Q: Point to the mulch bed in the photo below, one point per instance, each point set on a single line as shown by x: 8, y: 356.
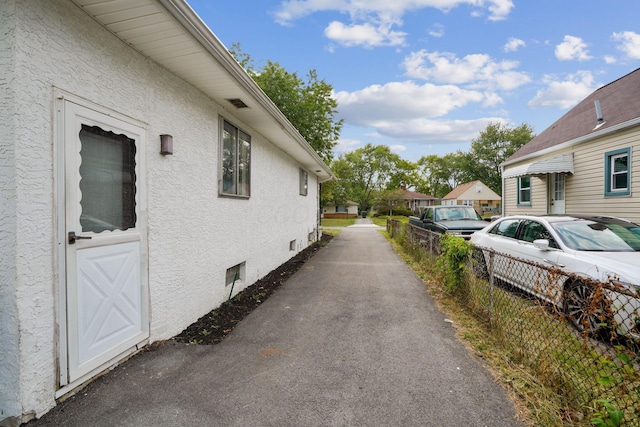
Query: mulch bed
x: 214, y: 326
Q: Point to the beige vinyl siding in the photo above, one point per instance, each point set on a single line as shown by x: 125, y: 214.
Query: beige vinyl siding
x: 584, y: 189
x: 538, y: 197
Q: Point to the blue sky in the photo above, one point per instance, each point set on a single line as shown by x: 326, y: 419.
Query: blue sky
x: 426, y: 76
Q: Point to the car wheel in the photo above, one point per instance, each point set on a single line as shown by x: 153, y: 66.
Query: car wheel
x: 586, y: 313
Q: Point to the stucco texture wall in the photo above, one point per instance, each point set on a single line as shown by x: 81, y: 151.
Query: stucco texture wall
x: 194, y: 235
x: 9, y: 325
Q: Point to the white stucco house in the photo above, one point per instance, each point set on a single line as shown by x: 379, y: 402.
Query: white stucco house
x: 140, y: 169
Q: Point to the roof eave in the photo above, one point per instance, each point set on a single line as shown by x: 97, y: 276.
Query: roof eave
x: 192, y: 22
x: 264, y: 116
x: 575, y: 141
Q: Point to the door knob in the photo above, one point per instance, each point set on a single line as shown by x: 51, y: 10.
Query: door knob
x: 73, y: 237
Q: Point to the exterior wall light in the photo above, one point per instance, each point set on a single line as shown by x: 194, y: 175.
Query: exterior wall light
x: 166, y: 144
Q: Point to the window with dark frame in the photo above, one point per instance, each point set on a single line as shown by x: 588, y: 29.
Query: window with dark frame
x: 618, y: 172
x: 304, y: 182
x: 236, y: 161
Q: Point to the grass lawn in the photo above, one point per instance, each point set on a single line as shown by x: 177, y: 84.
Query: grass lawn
x: 337, y: 222
x: 342, y: 222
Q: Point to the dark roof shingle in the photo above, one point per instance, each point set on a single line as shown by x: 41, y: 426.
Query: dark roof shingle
x: 619, y: 103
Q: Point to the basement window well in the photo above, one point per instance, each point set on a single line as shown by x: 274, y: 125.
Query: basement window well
x: 235, y: 275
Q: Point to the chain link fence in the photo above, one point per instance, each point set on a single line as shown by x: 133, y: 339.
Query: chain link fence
x: 577, y: 336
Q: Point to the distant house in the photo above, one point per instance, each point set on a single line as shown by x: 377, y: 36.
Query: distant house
x: 586, y: 162
x: 475, y: 194
x: 347, y: 210
x: 144, y: 173
x: 417, y: 201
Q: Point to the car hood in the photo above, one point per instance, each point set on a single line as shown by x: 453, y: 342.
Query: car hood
x: 463, y: 224
x: 624, y: 266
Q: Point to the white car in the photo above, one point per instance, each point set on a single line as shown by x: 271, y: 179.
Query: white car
x: 603, y: 249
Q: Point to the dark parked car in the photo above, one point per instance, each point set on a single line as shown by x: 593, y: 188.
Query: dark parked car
x: 461, y: 221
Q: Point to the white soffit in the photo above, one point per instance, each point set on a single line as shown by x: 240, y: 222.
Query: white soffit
x: 171, y: 34
x: 558, y: 164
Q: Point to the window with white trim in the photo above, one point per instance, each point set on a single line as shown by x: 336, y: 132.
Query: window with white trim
x: 236, y: 161
x: 524, y: 191
x: 617, y: 172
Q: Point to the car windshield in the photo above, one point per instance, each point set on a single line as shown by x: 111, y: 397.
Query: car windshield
x: 456, y: 213
x: 599, y: 236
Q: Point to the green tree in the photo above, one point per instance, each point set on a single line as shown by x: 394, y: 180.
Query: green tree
x: 309, y: 105
x: 442, y: 174
x: 388, y: 200
x: 405, y: 174
x: 495, y: 144
x: 364, y: 171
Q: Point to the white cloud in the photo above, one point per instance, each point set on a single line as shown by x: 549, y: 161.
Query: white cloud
x: 436, y: 30
x: 366, y: 35
x: 629, y: 43
x: 406, y: 111
x: 402, y: 100
x: 500, y: 9
x: 566, y: 93
x: 372, y: 22
x: 572, y: 48
x: 290, y: 10
x: 397, y: 148
x: 610, y: 59
x: 346, y: 145
x: 434, y: 131
x: 514, y: 44
x: 476, y: 70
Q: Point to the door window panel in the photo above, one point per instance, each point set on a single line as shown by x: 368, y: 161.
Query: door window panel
x: 107, y: 180
x: 532, y: 230
x: 506, y: 228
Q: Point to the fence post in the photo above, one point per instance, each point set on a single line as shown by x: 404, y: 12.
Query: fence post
x: 491, y: 284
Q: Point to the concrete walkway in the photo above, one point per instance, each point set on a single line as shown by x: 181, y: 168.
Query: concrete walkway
x: 352, y: 339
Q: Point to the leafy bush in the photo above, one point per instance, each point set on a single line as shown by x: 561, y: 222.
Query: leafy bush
x: 452, y: 261
x: 402, y: 212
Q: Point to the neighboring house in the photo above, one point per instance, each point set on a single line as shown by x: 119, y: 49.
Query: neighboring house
x: 475, y: 194
x: 141, y: 168
x: 348, y: 210
x: 417, y: 201
x: 584, y: 163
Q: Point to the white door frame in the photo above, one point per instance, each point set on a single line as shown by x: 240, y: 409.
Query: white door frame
x: 556, y: 206
x: 61, y: 104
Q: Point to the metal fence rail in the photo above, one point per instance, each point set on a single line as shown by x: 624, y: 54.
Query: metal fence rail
x: 579, y: 337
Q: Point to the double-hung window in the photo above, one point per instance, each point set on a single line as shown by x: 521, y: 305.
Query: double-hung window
x: 236, y: 161
x: 617, y: 172
x: 524, y: 190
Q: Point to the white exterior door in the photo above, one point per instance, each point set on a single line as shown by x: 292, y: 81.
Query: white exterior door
x: 556, y: 193
x: 105, y: 240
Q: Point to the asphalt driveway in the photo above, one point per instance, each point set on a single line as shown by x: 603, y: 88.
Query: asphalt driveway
x: 352, y: 339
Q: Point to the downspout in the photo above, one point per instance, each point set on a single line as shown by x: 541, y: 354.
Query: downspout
x: 318, y: 212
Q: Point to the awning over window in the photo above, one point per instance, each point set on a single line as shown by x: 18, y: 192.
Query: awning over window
x: 559, y: 164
